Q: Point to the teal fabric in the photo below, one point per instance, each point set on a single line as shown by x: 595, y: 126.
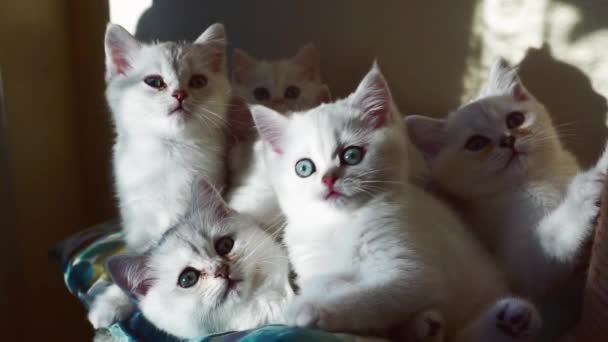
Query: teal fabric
x: 81, y: 258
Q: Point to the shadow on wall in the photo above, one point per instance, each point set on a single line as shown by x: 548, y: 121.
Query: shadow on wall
x: 578, y: 111
x: 409, y: 44
x: 422, y: 48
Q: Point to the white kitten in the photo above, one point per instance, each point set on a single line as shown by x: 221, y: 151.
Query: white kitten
x: 284, y: 85
x: 168, y: 102
x: 215, y: 271
x: 499, y: 159
x: 370, y: 250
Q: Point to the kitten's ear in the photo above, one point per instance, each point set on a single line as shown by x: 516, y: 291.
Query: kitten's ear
x: 271, y: 126
x: 241, y: 64
x: 373, y: 97
x: 130, y: 273
x: 240, y: 122
x: 308, y: 57
x: 214, y: 40
x: 426, y: 134
x: 208, y: 199
x: 503, y: 79
x: 324, y: 95
x: 120, y: 46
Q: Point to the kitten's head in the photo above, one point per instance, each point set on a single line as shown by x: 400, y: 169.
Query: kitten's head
x: 203, y: 271
x: 336, y: 155
x: 490, y: 144
x: 284, y: 85
x: 166, y: 88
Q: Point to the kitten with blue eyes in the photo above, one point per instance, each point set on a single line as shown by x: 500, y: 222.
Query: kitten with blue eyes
x: 370, y: 250
x: 500, y: 161
x: 284, y: 85
x: 168, y: 102
x: 215, y: 271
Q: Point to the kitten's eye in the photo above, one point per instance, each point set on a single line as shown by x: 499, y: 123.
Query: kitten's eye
x: 476, y: 142
x: 198, y: 81
x: 261, y: 94
x: 305, y: 167
x: 188, y: 277
x: 155, y: 82
x: 515, y: 119
x: 352, y: 155
x: 292, y: 92
x: 224, y: 245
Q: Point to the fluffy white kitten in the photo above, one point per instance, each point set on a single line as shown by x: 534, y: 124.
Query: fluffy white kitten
x: 284, y: 85
x: 500, y: 161
x: 168, y: 102
x: 370, y: 250
x: 500, y: 158
x: 215, y: 271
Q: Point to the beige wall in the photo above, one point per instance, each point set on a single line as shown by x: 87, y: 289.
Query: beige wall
x: 59, y: 133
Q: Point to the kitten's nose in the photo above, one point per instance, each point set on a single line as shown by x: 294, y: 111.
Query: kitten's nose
x: 329, y: 179
x: 223, y: 272
x: 507, y: 141
x: 180, y: 95
x: 277, y: 101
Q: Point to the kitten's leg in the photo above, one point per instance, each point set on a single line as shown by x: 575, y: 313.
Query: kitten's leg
x: 364, y: 306
x: 564, y: 231
x: 113, y: 305
x: 507, y: 320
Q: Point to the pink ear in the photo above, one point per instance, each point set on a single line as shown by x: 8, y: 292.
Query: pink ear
x: 214, y: 41
x: 120, y: 46
x: 308, y: 57
x: 426, y: 134
x: 373, y: 97
x: 242, y: 63
x: 130, y: 273
x: 206, y: 198
x: 240, y: 122
x: 270, y: 125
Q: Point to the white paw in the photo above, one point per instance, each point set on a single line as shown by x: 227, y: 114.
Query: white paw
x: 586, y: 189
x: 304, y: 313
x: 110, y: 307
x: 516, y: 318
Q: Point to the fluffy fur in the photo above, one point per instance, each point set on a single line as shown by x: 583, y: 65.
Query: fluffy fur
x: 301, y: 71
x: 522, y: 191
x: 370, y: 250
x: 254, y: 291
x: 164, y: 143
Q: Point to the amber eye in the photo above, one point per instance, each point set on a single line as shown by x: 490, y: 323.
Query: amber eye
x: 476, y: 142
x: 292, y: 92
x: 261, y: 94
x: 155, y: 81
x: 198, y: 81
x: 224, y: 245
x: 515, y: 119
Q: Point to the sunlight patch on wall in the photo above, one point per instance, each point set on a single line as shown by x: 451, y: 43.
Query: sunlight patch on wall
x: 509, y: 27
x: 127, y: 12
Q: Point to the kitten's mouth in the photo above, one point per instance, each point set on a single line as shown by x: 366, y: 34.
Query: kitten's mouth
x: 179, y: 109
x: 231, y: 285
x: 514, y: 157
x: 333, y: 194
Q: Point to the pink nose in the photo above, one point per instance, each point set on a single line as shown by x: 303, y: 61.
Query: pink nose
x: 222, y: 272
x: 277, y: 101
x: 507, y: 141
x: 329, y: 180
x: 180, y: 95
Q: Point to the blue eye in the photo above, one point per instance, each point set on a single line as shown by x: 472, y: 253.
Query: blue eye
x: 352, y: 155
x: 188, y: 277
x: 305, y: 167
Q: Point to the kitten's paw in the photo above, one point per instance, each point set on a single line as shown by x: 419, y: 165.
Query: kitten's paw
x: 426, y: 326
x: 109, y: 307
x: 586, y: 189
x: 517, y: 318
x: 303, y: 313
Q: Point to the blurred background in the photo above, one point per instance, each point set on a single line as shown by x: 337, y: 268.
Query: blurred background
x: 55, y: 132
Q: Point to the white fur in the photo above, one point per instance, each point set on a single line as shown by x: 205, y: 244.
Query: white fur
x: 157, y: 154
x: 301, y: 71
x: 110, y: 306
x: 371, y: 259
